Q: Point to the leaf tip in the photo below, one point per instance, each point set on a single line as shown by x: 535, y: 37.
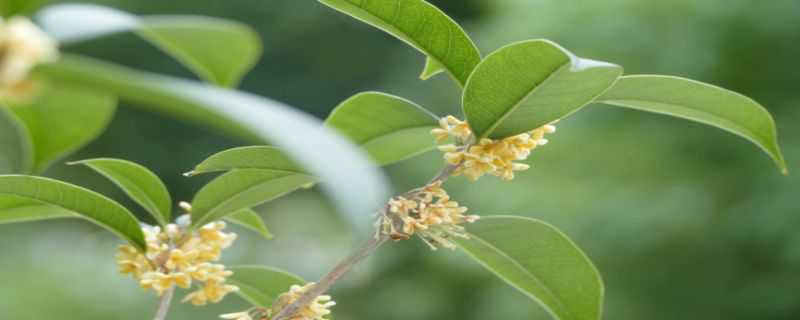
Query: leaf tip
x: 189, y: 174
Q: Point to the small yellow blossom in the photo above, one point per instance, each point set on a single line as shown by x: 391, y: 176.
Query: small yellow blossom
x: 429, y: 213
x: 244, y: 315
x: 175, y: 257
x: 318, y: 309
x: 22, y: 46
x: 487, y: 156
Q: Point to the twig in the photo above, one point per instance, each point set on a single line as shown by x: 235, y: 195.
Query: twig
x: 329, y: 279
x: 163, y: 304
x: 347, y: 264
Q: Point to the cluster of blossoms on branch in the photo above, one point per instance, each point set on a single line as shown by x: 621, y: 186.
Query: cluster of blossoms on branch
x: 487, y: 156
x: 178, y: 257
x: 429, y: 213
x: 318, y: 309
x: 22, y: 46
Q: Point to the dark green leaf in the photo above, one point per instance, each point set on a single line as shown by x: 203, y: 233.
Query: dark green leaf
x: 357, y: 187
x: 139, y: 183
x: 251, y: 220
x: 88, y: 204
x: 217, y: 50
x: 697, y: 101
x: 539, y: 261
x: 262, y: 285
x: 388, y: 127
x: 424, y: 27
x: 528, y: 84
x: 254, y: 157
x: 62, y: 120
x: 242, y: 189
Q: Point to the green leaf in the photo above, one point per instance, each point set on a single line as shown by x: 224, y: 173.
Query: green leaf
x: 700, y: 102
x: 88, y: 204
x: 541, y: 262
x: 139, y: 183
x: 261, y: 285
x: 9, y: 8
x: 251, y: 220
x: 217, y: 50
x: 422, y: 26
x: 355, y: 185
x: 242, y: 189
x: 254, y: 157
x: 16, y: 149
x: 389, y: 128
x: 62, y: 120
x: 528, y: 84
x: 17, y: 209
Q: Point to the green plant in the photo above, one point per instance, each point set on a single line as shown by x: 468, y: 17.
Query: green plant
x: 511, y: 99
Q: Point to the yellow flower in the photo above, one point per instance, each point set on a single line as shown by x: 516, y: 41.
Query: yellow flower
x: 179, y: 260
x: 244, y: 315
x: 316, y: 310
x: 22, y: 46
x: 213, y: 291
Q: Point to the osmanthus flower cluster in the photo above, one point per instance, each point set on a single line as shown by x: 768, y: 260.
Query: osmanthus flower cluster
x: 22, y: 46
x: 487, y: 156
x: 428, y: 213
x: 178, y: 257
x: 318, y: 309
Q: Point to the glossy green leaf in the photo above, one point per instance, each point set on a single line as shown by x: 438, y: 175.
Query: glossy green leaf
x: 529, y: 84
x: 139, y: 183
x: 251, y: 220
x: 389, y: 128
x: 424, y: 27
x: 88, y: 204
x: 242, y: 189
x: 9, y: 8
x: 17, y: 209
x: 16, y: 149
x: 217, y: 50
x: 354, y: 183
x: 261, y: 285
x: 62, y: 120
x: 254, y: 157
x: 700, y: 102
x: 541, y: 262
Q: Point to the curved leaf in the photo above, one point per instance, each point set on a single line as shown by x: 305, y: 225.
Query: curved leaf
x: 63, y: 119
x: 217, y: 50
x: 389, y: 128
x: 88, y: 204
x: 242, y: 189
x: 528, y: 84
x: 10, y: 8
x: 262, y: 285
x: 16, y: 149
x: 355, y: 185
x: 424, y: 27
x: 139, y: 183
x: 541, y: 262
x: 251, y: 220
x: 17, y: 209
x: 254, y: 157
x: 700, y: 102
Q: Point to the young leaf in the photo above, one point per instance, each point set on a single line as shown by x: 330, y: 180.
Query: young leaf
x: 88, y: 204
x: 262, y: 285
x: 62, y: 120
x: 700, y: 102
x: 242, y: 189
x: 355, y: 185
x: 16, y: 209
x: 422, y: 26
x: 139, y: 183
x: 254, y: 157
x: 16, y: 149
x: 539, y: 261
x: 205, y: 45
x: 528, y: 84
x: 389, y: 128
x: 251, y: 220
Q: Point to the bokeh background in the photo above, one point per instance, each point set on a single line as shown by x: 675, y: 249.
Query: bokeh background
x: 683, y: 221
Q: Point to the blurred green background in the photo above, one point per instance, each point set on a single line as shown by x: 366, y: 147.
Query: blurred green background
x: 683, y: 221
